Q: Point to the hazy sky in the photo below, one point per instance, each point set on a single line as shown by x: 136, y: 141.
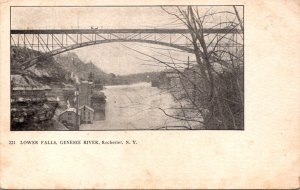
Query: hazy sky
x: 111, y: 57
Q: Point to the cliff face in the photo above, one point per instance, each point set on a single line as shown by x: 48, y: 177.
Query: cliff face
x: 71, y: 63
x: 47, y: 72
x: 31, y: 107
x: 29, y: 103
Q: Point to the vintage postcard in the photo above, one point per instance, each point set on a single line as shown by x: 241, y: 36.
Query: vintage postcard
x: 157, y: 95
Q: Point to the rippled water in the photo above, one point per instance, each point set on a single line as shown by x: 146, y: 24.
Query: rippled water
x: 136, y: 106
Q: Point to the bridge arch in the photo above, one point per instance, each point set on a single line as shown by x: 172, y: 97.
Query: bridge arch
x: 33, y: 61
x: 97, y: 42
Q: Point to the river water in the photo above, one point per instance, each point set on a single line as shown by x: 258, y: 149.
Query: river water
x: 137, y: 106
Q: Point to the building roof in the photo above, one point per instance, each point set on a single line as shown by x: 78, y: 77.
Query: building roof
x: 98, y: 94
x: 52, y: 99
x: 86, y: 107
x: 69, y: 110
x: 88, y: 82
x: 68, y: 87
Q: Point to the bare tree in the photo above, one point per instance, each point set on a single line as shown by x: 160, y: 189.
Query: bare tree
x: 219, y: 86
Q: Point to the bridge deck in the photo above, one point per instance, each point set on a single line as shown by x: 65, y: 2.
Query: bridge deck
x: 107, y: 31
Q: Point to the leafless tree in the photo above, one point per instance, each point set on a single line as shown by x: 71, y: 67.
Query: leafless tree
x: 218, y: 89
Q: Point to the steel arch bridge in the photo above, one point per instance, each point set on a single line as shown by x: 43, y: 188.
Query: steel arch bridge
x: 53, y: 42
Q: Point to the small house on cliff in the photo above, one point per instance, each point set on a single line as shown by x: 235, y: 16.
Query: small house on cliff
x: 68, y: 117
x: 86, y: 114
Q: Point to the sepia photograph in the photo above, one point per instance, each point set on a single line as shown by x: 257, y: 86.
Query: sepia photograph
x: 153, y: 94
x: 115, y: 68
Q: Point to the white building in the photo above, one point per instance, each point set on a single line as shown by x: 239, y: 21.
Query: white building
x: 86, y: 114
x: 68, y: 117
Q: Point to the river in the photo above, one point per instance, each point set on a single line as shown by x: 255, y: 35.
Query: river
x: 137, y: 107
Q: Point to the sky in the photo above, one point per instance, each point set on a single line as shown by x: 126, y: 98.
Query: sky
x: 112, y: 57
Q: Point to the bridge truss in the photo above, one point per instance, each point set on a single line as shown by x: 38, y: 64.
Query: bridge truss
x: 53, y: 42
